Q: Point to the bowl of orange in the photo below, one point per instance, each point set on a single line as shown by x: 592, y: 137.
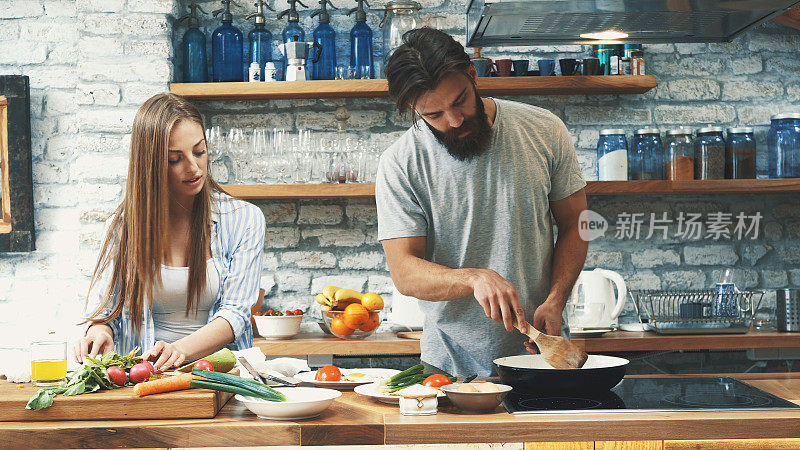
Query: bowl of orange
x: 354, y: 322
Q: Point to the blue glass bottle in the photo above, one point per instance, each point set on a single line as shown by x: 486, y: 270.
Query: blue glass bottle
x: 646, y: 158
x: 325, y: 36
x: 293, y: 31
x: 612, y: 155
x: 361, y: 43
x: 227, y: 48
x: 783, y: 142
x: 259, y: 39
x: 195, y: 62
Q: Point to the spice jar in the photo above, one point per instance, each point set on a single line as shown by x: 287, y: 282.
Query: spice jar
x: 709, y: 154
x: 612, y: 155
x: 637, y: 63
x: 783, y: 141
x: 680, y: 154
x: 646, y: 158
x: 740, y: 154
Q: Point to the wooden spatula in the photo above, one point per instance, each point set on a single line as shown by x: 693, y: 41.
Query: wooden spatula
x: 557, y: 351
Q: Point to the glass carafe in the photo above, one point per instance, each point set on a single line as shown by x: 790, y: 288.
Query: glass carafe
x: 400, y: 16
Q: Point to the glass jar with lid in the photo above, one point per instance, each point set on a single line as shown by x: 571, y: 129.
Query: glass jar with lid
x: 740, y: 154
x: 646, y: 158
x: 680, y: 154
x: 399, y: 17
x: 709, y: 154
x: 612, y: 155
x: 783, y: 142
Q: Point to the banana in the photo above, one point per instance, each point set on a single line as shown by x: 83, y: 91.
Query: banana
x: 342, y: 304
x: 348, y: 295
x: 330, y: 291
x: 326, y: 307
x: 322, y: 300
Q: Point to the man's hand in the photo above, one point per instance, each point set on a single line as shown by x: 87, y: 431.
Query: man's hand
x: 547, y: 319
x: 498, y: 298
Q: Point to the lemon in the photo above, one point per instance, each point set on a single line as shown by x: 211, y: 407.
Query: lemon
x: 372, y: 301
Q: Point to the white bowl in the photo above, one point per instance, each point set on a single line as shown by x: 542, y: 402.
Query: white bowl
x: 277, y: 327
x: 475, y: 401
x: 301, y: 403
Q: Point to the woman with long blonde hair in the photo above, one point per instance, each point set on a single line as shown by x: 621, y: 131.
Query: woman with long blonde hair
x: 180, y: 267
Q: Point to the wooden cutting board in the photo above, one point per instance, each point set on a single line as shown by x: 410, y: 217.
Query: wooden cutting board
x: 119, y: 403
x: 410, y: 334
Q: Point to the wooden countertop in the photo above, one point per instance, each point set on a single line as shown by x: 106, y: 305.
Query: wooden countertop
x: 617, y: 341
x: 627, y: 341
x: 357, y: 420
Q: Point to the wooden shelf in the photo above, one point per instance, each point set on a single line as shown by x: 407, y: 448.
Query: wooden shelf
x: 647, y: 341
x: 367, y: 190
x: 556, y: 85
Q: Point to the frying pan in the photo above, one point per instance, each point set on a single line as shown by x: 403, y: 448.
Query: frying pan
x: 532, y: 374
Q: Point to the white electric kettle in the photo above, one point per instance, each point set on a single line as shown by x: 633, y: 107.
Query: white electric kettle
x: 593, y: 303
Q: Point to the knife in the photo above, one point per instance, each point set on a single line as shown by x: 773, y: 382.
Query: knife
x: 252, y: 371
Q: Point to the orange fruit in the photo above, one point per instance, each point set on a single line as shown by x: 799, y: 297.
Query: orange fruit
x: 338, y: 327
x: 355, y: 315
x: 372, y: 322
x: 372, y: 301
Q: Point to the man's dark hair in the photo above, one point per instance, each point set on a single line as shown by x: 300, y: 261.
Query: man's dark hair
x: 426, y: 57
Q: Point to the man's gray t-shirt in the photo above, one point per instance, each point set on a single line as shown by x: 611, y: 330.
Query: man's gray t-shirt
x: 491, y: 212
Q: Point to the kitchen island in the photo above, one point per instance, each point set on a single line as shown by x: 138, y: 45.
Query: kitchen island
x: 354, y: 419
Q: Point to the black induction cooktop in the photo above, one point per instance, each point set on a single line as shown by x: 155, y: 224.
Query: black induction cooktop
x: 654, y: 394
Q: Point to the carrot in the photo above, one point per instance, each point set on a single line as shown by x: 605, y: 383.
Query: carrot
x: 166, y: 384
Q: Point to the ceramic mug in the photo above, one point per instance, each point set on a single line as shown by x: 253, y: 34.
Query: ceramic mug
x: 568, y: 66
x: 481, y: 66
x: 547, y: 67
x: 520, y: 67
x: 591, y: 66
x: 503, y: 67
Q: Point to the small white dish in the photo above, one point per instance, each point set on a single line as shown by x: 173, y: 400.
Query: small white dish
x: 371, y: 375
x: 635, y: 326
x: 277, y: 327
x: 301, y: 403
x: 589, y: 332
x: 371, y: 390
x: 475, y: 401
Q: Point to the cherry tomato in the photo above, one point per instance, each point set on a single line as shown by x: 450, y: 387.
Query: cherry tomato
x: 436, y: 380
x: 270, y: 312
x: 204, y: 365
x: 289, y: 312
x: 328, y: 373
x: 298, y: 312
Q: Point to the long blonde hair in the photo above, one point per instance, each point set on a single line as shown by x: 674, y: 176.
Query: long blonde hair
x: 137, y: 240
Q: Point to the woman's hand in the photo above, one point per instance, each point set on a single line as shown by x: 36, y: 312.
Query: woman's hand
x: 99, y: 340
x: 165, y: 355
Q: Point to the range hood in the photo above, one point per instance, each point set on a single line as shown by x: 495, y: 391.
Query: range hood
x: 541, y: 22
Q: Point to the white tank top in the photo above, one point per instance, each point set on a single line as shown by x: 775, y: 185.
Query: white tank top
x: 169, y: 302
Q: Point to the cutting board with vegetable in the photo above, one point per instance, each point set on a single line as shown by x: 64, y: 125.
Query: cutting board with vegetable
x: 110, y: 387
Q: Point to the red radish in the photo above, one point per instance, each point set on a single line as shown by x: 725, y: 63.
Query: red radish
x: 140, y: 372
x: 117, y: 375
x: 204, y: 365
x: 150, y: 365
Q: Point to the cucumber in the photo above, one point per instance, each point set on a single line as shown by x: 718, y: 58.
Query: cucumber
x: 235, y: 380
x: 228, y: 388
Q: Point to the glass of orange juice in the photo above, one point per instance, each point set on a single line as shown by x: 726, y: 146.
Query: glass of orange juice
x: 48, y: 363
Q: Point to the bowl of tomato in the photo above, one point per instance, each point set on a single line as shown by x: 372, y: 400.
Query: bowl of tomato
x: 273, y: 324
x: 355, y: 322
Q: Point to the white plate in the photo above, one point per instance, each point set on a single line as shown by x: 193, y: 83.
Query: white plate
x: 301, y: 403
x: 592, y: 332
x: 371, y: 390
x: 370, y: 376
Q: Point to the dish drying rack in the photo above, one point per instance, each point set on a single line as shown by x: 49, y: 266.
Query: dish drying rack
x: 697, y: 311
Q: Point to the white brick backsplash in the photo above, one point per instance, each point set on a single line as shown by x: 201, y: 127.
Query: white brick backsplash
x: 680, y: 114
x: 283, y: 237
x: 46, y: 172
x: 99, y: 193
x: 363, y: 261
x: 45, y: 77
x: 355, y: 282
x: 98, y: 167
x: 309, y: 260
x: 275, y: 120
x: 56, y: 219
x: 689, y: 89
x: 774, y: 42
x: 326, y: 121
x: 270, y: 261
x: 60, y: 8
x: 320, y: 215
x: 794, y: 277
x: 95, y: 6
x: 772, y: 279
x: 140, y: 69
x: 138, y: 93
x: 367, y: 214
x: 53, y: 195
x: 48, y: 31
x: 690, y: 48
x: 293, y: 282
x: 793, y: 92
x: 97, y: 94
x: 380, y: 284
x: 332, y: 237
x: 710, y: 255
x: 15, y: 52
x: 60, y: 101
x: 107, y: 143
x: 98, y: 47
x: 604, y: 259
x: 753, y: 253
x: 62, y: 54
x: 747, y: 65
x: 745, y: 90
x: 61, y: 242
x: 789, y: 254
x: 154, y: 6
x: 114, y: 120
x: 650, y: 258
x: 125, y: 25
x: 755, y: 115
x: 16, y: 9
x: 600, y: 115
x: 742, y: 278
x: 278, y: 213
x: 157, y: 49
x: 642, y: 280
x: 787, y: 210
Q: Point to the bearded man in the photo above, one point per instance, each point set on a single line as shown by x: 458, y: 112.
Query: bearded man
x: 464, y: 201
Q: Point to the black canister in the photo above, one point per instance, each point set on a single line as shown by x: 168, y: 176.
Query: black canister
x: 787, y: 309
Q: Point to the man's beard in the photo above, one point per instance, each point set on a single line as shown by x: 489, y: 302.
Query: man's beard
x: 472, y: 145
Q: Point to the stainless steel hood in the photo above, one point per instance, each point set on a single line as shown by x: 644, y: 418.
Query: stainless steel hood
x: 539, y: 22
